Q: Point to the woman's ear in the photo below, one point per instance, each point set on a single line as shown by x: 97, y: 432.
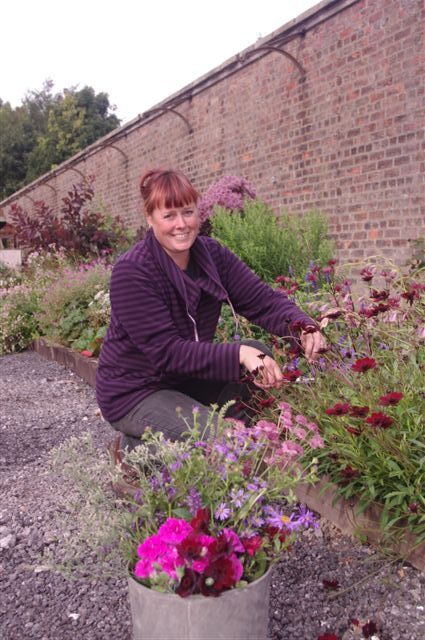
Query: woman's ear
x: 148, y: 218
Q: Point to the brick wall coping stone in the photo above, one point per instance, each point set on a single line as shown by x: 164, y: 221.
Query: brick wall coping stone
x: 320, y: 497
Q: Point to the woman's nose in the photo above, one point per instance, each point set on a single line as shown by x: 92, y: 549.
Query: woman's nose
x: 180, y: 221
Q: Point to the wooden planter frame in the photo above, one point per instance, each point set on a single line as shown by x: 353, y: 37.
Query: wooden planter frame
x: 320, y: 497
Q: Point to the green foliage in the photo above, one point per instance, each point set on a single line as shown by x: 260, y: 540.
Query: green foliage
x: 76, y: 119
x: 378, y: 456
x: 18, y: 321
x: 47, y: 129
x: 272, y: 248
x: 51, y: 297
x: 75, y: 308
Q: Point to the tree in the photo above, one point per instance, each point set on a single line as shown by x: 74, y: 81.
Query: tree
x: 76, y: 119
x: 16, y: 143
x: 47, y: 129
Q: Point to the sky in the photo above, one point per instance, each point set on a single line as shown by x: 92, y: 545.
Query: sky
x: 138, y: 51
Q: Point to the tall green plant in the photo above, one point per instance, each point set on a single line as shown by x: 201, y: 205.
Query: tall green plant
x: 271, y: 247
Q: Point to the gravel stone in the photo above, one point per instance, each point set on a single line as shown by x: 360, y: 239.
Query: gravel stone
x: 42, y: 405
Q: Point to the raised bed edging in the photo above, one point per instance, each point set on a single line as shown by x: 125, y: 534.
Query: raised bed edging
x: 343, y: 513
x: 82, y: 366
x: 319, y: 497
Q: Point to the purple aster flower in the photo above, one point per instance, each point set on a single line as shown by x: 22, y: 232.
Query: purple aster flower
x: 237, y: 497
x: 194, y: 501
x: 222, y: 512
x: 278, y: 519
x: 304, y: 518
x: 221, y: 448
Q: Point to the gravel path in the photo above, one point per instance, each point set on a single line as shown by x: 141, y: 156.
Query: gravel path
x: 41, y: 406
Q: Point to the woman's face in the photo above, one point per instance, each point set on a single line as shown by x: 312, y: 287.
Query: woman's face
x: 176, y: 230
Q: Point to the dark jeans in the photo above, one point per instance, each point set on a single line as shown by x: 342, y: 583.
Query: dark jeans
x: 159, y: 409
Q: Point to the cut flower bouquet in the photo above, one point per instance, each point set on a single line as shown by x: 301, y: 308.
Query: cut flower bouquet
x: 214, y: 511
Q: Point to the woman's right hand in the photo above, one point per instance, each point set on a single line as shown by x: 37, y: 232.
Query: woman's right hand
x: 266, y: 371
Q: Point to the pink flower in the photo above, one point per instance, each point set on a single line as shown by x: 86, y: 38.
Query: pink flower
x: 316, y: 442
x: 300, y: 433
x: 174, y: 531
x: 267, y: 429
x: 289, y: 448
x: 284, y: 406
x: 143, y: 568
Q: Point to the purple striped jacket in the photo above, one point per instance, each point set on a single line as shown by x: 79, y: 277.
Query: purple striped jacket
x: 163, y: 322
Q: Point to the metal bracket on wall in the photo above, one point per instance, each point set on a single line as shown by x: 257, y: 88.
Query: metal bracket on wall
x: 113, y: 146
x: 78, y: 171
x: 268, y: 48
x: 160, y: 110
x: 46, y: 184
x: 29, y: 198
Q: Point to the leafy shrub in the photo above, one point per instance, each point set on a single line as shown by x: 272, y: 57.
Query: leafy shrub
x: 19, y: 305
x: 78, y: 228
x: 271, y: 248
x: 75, y: 309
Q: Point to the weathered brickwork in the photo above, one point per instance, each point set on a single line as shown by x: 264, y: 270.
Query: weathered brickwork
x: 347, y: 138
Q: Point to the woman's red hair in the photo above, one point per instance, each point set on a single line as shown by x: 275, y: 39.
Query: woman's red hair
x: 166, y: 188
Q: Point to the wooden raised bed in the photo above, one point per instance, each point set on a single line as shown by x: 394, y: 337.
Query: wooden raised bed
x: 344, y: 514
x: 318, y: 497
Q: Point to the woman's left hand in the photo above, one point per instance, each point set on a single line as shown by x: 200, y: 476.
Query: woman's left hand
x: 313, y: 343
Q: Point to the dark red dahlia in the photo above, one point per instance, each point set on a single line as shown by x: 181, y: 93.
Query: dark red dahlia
x: 267, y: 402
x: 330, y: 585
x: 363, y: 364
x: 348, y: 472
x: 379, y: 295
x: 192, y: 547
x: 189, y: 584
x: 339, y: 409
x: 367, y: 274
x: 200, y: 523
x: 410, y: 294
x: 359, y: 412
x: 222, y: 573
x: 369, y: 629
x: 291, y: 376
x: 354, y: 431
x: 380, y: 420
x: 392, y: 399
x: 252, y: 544
x: 370, y: 312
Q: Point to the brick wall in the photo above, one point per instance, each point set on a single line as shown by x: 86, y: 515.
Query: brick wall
x: 346, y: 138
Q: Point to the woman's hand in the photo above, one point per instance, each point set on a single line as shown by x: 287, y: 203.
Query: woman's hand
x: 266, y: 371
x: 313, y: 344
